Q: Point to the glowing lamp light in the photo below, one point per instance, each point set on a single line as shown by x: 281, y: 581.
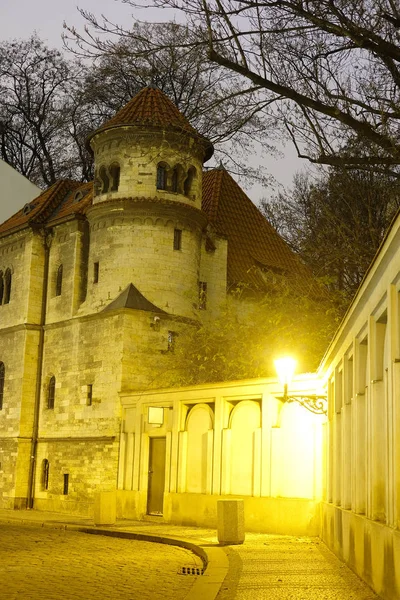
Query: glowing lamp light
x: 285, y: 368
x: 315, y: 403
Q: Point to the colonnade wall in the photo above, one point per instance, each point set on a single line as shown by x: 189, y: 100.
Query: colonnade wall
x: 225, y: 440
x: 361, y: 371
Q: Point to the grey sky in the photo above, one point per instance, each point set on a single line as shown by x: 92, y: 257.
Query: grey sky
x: 20, y: 18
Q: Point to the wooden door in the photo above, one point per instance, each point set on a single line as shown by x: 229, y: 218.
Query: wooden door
x: 156, y: 482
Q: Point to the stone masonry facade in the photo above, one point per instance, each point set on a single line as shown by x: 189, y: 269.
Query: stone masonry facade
x: 96, y: 280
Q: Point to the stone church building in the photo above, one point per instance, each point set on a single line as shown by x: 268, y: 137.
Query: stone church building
x: 96, y: 282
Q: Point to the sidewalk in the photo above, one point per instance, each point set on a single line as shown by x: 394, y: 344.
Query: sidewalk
x: 265, y: 567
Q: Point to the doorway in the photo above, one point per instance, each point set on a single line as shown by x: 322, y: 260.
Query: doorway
x: 156, y: 481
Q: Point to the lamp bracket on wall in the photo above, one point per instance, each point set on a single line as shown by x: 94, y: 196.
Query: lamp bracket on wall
x: 315, y: 403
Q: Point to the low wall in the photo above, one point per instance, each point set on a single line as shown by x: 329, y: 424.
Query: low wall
x: 370, y: 548
x: 60, y: 505
x: 286, y: 516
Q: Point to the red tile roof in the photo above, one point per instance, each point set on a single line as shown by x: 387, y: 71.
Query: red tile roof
x: 54, y: 204
x: 253, y: 244
x: 151, y: 107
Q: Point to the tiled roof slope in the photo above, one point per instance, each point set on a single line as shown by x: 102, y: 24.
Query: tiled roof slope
x: 253, y: 244
x: 151, y: 107
x: 54, y: 204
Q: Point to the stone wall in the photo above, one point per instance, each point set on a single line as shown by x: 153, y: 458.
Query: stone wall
x: 91, y: 466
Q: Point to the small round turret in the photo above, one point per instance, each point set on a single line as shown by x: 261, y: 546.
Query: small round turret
x: 146, y: 221
x: 149, y: 149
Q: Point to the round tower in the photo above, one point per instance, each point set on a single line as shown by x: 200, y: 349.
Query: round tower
x: 146, y: 221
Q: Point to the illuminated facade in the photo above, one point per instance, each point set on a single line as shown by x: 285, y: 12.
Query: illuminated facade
x: 361, y: 371
x: 96, y: 282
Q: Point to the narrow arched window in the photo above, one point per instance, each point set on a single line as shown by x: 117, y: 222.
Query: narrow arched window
x: 2, y: 376
x: 45, y: 474
x: 105, y: 180
x: 51, y: 392
x: 59, y: 278
x: 7, y: 286
x: 161, y: 177
x: 114, y: 172
x: 1, y: 287
x: 188, y: 184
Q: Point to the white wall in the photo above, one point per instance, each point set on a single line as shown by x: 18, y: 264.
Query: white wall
x: 15, y: 191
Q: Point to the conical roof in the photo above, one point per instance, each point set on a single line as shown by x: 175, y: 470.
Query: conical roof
x: 130, y: 297
x: 152, y: 108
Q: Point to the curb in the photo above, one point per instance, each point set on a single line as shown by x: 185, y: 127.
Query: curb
x: 215, y: 560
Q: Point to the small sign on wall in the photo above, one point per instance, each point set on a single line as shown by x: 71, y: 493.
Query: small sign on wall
x: 155, y: 416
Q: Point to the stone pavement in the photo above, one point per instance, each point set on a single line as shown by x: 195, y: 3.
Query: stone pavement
x: 38, y: 563
x: 265, y: 567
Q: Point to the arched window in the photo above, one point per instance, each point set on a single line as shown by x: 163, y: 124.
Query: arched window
x: 1, y: 287
x: 105, y: 181
x: 51, y: 392
x: 2, y: 375
x: 114, y: 172
x: 188, y: 184
x: 45, y: 474
x: 7, y: 286
x: 161, y: 177
x: 59, y: 278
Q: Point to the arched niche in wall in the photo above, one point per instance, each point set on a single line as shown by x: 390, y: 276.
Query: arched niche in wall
x: 199, y: 427
x: 245, y: 419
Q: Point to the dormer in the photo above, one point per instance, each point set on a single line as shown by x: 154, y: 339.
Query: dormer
x: 149, y: 150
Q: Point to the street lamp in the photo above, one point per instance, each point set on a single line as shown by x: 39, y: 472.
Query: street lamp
x: 315, y: 403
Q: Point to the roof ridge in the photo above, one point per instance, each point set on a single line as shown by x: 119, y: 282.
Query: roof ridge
x: 53, y: 200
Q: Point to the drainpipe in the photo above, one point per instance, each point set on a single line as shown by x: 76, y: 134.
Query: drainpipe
x: 35, y: 429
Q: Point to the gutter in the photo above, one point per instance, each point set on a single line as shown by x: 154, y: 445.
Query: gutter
x: 35, y: 427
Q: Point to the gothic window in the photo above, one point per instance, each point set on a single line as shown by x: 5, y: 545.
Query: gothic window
x: 7, y: 286
x: 161, y: 177
x: 1, y: 287
x: 202, y: 295
x: 188, y: 184
x: 2, y: 375
x: 59, y: 278
x: 114, y: 172
x: 51, y: 392
x: 105, y: 180
x: 177, y: 239
x: 45, y: 474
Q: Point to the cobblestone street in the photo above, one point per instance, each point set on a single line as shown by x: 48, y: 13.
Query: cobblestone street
x: 39, y: 563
